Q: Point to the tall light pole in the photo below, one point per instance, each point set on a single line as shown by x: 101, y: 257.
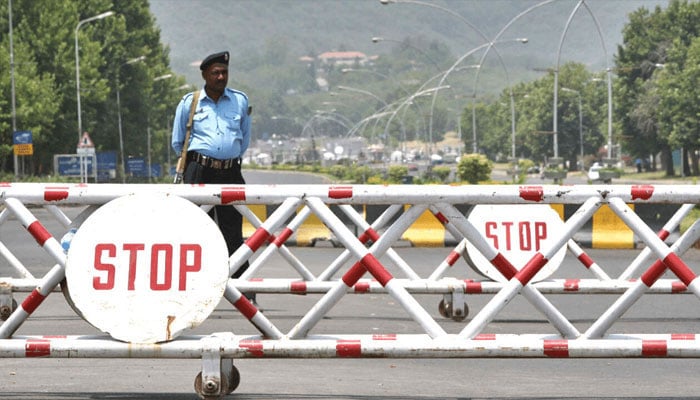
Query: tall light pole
x: 556, y: 76
x: 580, y: 119
x: 484, y: 37
x: 77, y: 64
x: 119, y: 116
x: 12, y: 81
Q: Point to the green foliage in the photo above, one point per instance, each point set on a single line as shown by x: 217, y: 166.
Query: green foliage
x: 45, y: 79
x: 474, y: 168
x: 657, y: 85
x: 441, y: 173
x: 396, y: 173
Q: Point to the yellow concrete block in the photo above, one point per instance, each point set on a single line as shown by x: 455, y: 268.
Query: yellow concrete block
x: 609, y: 232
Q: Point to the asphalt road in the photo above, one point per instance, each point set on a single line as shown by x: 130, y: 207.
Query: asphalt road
x: 360, y: 379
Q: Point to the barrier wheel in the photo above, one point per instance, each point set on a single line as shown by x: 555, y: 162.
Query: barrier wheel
x: 443, y: 308
x: 462, y: 316
x: 224, y: 390
x: 447, y: 311
x: 234, y: 380
x: 5, y: 311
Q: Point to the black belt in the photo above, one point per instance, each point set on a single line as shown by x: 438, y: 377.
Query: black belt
x: 214, y: 163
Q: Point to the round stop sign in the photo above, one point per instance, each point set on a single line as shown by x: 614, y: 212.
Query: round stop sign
x: 145, y: 267
x: 518, y: 232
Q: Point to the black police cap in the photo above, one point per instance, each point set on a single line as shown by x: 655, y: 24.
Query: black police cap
x: 221, y: 58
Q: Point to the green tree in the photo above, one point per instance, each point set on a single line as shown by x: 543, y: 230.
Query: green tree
x: 474, y: 168
x: 45, y: 76
x: 652, y: 40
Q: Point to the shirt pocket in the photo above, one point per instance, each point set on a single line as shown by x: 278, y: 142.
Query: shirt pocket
x: 200, y: 121
x: 233, y: 122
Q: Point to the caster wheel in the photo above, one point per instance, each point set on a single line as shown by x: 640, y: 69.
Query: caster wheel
x: 443, y: 309
x: 446, y: 311
x: 463, y: 314
x: 6, y: 311
x: 234, y: 380
x: 224, y: 390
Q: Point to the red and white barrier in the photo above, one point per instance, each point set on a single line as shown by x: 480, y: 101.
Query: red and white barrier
x: 361, y: 269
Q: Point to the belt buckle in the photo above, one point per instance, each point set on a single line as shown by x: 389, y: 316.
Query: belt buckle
x: 215, y: 163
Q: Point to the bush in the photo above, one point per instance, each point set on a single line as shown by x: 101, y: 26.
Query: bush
x: 474, y: 168
x: 396, y: 173
x: 441, y: 173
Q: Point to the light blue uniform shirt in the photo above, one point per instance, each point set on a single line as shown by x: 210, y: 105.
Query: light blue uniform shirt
x: 219, y: 129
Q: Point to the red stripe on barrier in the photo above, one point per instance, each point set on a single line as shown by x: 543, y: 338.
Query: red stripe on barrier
x: 37, y: 348
x: 452, y: 258
x: 504, y: 266
x: 340, y: 192
x: 642, y: 192
x: 385, y: 336
x: 32, y: 301
x: 571, y: 285
x: 348, y: 348
x: 298, y: 287
x: 253, y: 347
x: 485, y: 336
x: 682, y: 336
x: 685, y: 274
x: 440, y: 217
x: 361, y: 287
x: 245, y: 307
x: 654, y: 348
x: 40, y: 234
x: 585, y: 260
x: 531, y: 193
x: 663, y: 234
x: 56, y: 193
x: 472, y: 286
x: 284, y: 235
x: 5, y: 184
x: 231, y: 194
x: 678, y: 287
x: 354, y: 274
x: 531, y: 268
x: 369, y: 234
x: 654, y: 272
x: 557, y: 348
x: 257, y: 239
x: 376, y: 268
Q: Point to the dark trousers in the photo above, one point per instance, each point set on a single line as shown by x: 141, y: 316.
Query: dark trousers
x: 228, y: 218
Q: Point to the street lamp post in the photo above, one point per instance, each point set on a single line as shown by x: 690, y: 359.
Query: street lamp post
x: 556, y: 76
x: 580, y: 119
x: 119, y: 116
x: 83, y: 178
x: 77, y: 64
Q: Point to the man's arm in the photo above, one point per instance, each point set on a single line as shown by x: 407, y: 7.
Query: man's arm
x: 180, y: 125
x: 245, y: 129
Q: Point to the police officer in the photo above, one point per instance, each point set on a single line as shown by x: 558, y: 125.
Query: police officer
x: 219, y: 137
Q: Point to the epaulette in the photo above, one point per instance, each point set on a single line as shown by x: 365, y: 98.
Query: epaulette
x: 239, y: 92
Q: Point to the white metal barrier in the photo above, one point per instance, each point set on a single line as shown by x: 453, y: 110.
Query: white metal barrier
x: 361, y: 257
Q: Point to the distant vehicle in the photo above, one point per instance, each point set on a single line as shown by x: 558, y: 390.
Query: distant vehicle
x: 594, y: 172
x: 435, y: 159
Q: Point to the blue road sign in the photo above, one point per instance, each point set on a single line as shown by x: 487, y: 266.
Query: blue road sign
x: 69, y: 164
x: 136, y: 166
x: 22, y: 137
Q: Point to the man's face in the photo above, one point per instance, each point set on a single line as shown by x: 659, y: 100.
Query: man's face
x: 216, y: 77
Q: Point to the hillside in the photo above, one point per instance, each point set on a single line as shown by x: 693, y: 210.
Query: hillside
x: 194, y: 28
